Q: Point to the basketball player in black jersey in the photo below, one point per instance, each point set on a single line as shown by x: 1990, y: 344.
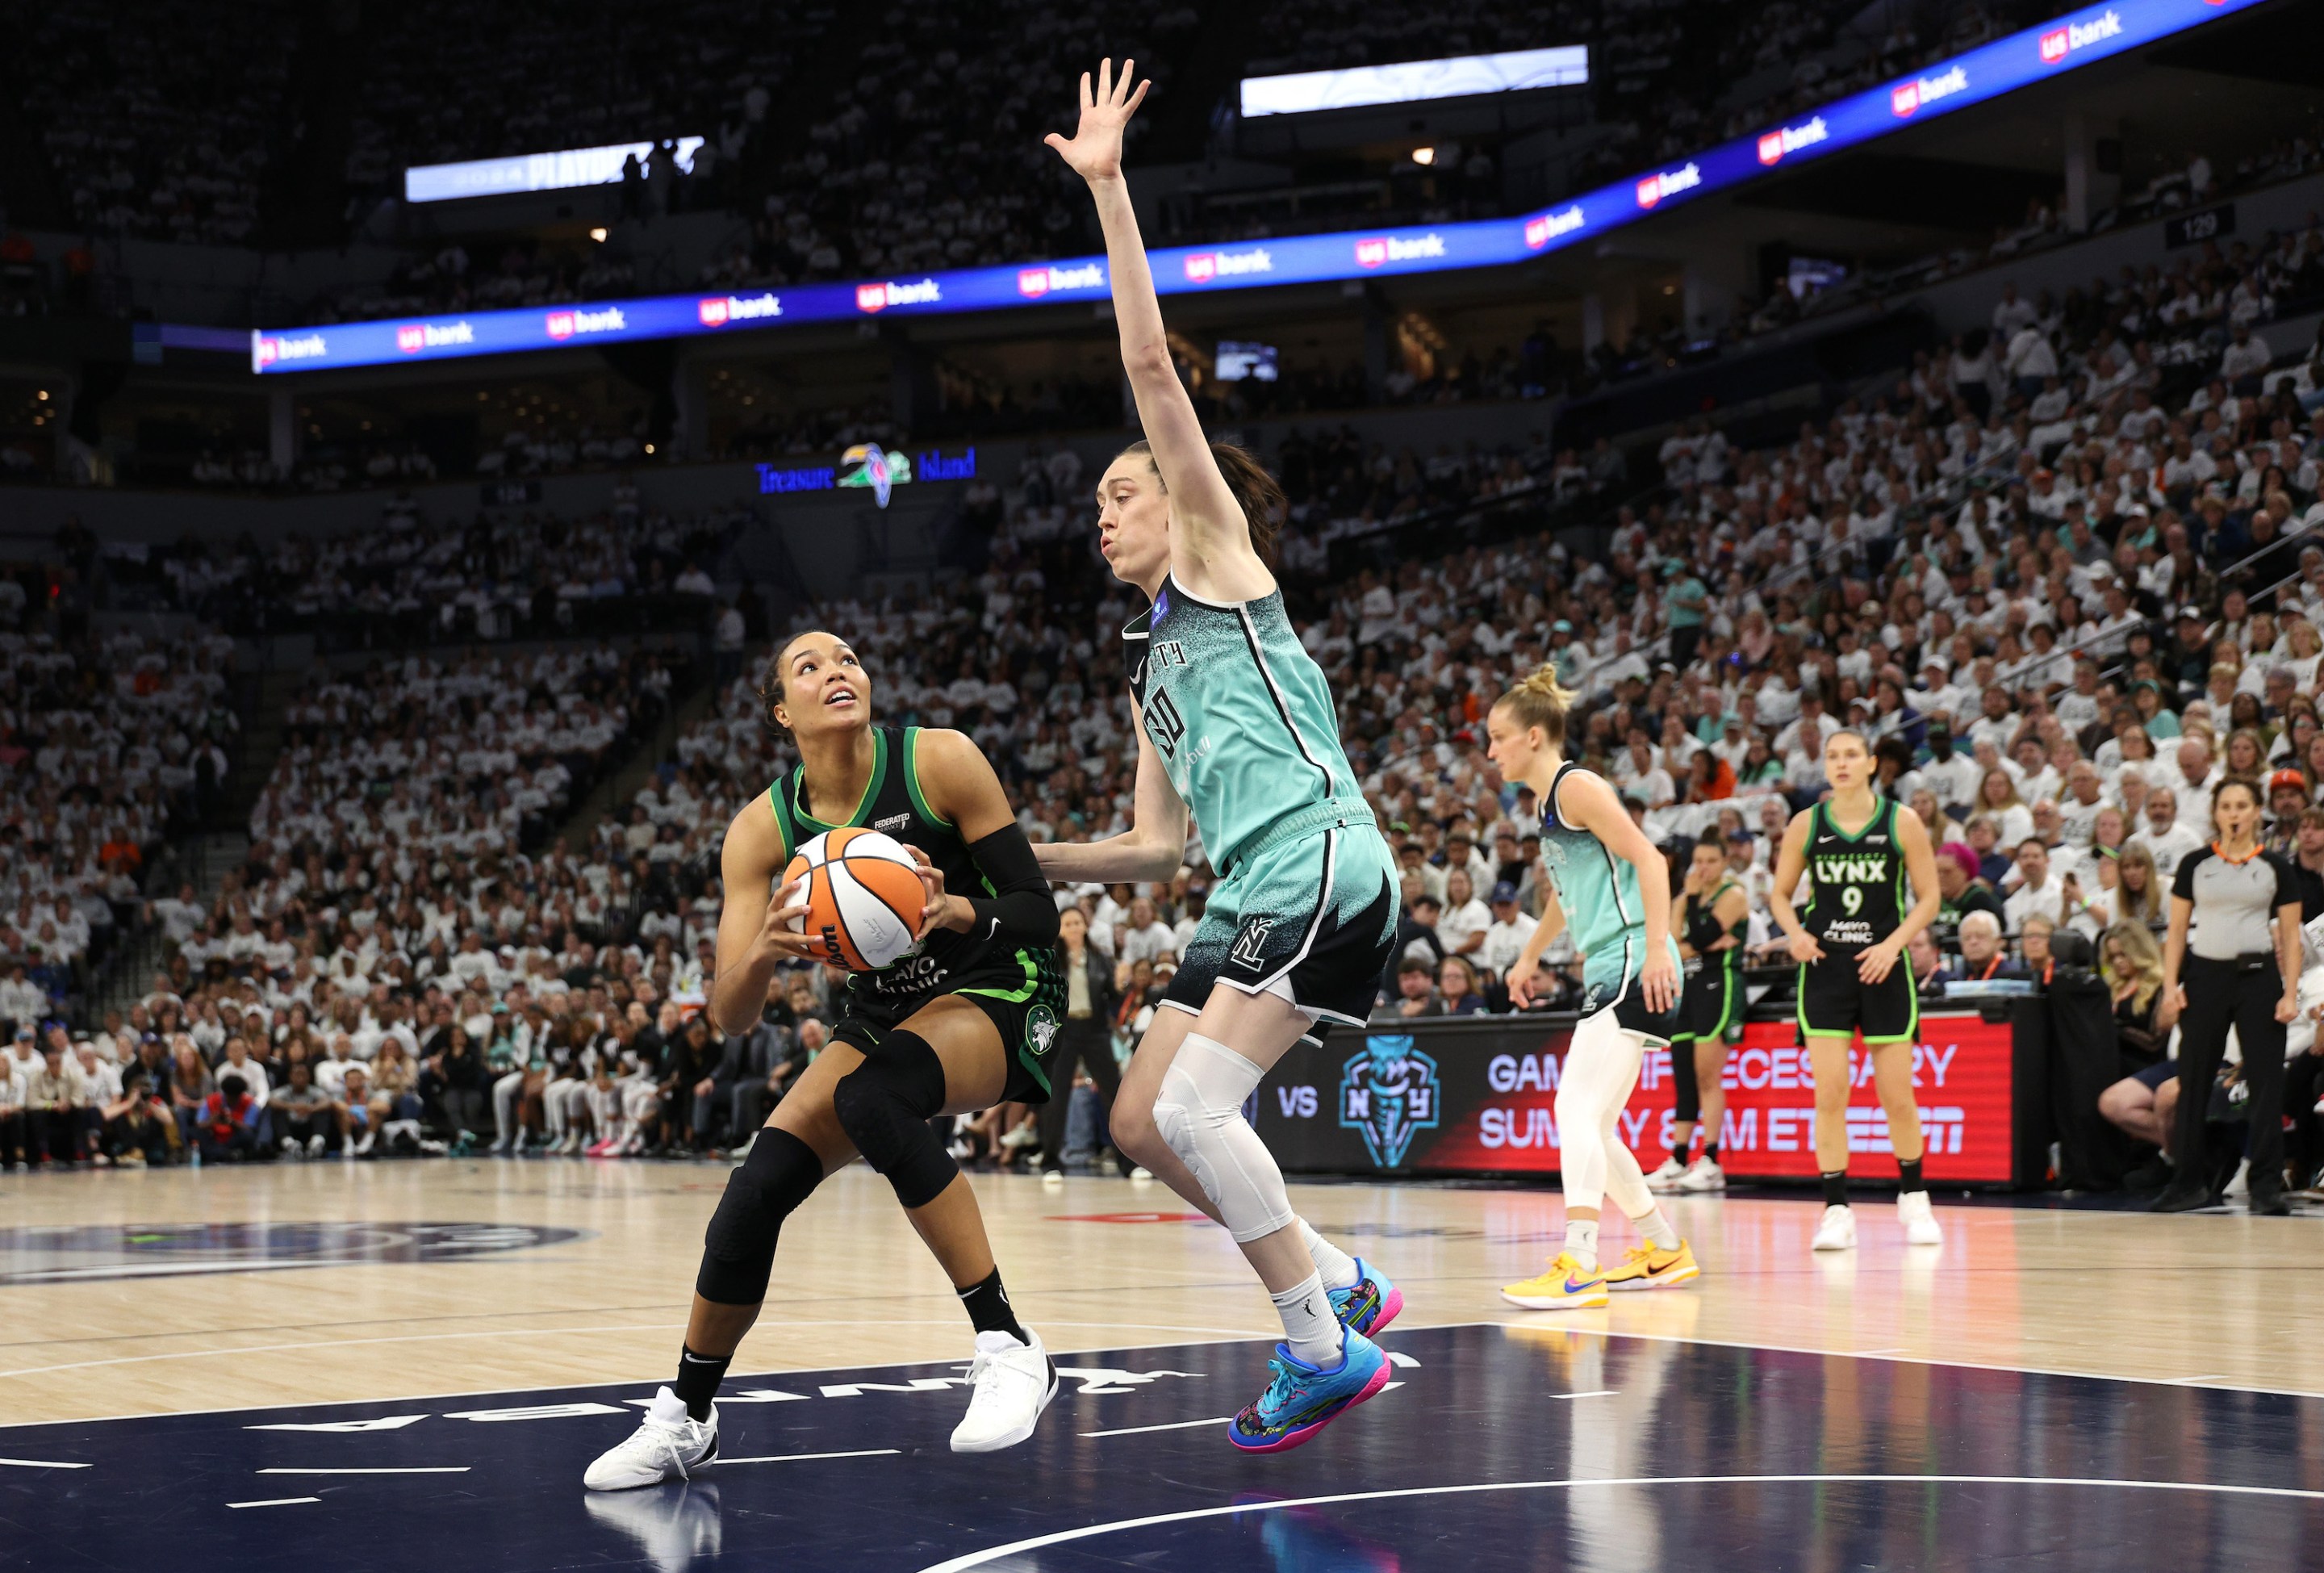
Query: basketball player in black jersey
x: 1712, y: 919
x: 960, y: 1021
x: 1857, y: 849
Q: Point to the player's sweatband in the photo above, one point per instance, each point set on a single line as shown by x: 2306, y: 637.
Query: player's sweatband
x: 1021, y: 902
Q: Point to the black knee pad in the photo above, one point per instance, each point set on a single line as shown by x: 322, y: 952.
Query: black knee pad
x: 738, y: 1249
x: 884, y: 1105
x: 1686, y: 1096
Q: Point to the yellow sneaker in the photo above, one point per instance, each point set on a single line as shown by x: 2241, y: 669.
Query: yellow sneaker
x: 1649, y: 1266
x: 1566, y: 1286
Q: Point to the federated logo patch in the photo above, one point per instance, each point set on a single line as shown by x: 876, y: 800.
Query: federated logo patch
x: 1390, y: 1094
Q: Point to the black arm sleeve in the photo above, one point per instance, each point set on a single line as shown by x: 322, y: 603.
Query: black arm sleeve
x: 1021, y: 904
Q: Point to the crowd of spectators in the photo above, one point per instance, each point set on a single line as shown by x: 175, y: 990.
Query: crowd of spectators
x: 157, y: 121
x: 2278, y: 275
x: 503, y: 573
x: 109, y: 745
x: 403, y: 929
x: 448, y: 281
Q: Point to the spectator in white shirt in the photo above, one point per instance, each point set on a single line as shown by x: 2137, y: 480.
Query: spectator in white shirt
x: 2167, y: 836
x: 1462, y: 930
x: 1144, y: 937
x: 1506, y: 940
x: 2040, y: 890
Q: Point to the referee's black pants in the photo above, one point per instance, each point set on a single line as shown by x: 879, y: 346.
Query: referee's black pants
x: 1081, y: 1039
x: 2220, y: 994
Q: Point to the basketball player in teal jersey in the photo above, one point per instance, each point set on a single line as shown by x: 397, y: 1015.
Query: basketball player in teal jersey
x: 1237, y: 725
x: 1612, y: 888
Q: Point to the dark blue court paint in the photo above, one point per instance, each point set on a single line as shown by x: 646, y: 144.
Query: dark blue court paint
x: 1486, y: 1457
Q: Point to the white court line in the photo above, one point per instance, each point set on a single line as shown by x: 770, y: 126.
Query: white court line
x: 1874, y: 1353
x: 420, y: 1469
x: 2188, y: 1380
x: 804, y: 1458
x: 37, y: 1464
x: 275, y: 1501
x: 1173, y: 1426
x: 997, y: 1553
x: 524, y: 1332
x: 1601, y: 1392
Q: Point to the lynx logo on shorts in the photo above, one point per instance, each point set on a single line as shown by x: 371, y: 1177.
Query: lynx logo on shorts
x: 1388, y: 1094
x: 1040, y: 1028
x: 1250, y: 944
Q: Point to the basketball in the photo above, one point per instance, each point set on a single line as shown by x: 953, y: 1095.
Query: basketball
x: 863, y: 896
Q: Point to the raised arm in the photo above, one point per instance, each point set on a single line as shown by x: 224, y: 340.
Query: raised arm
x: 1153, y: 846
x: 1209, y: 538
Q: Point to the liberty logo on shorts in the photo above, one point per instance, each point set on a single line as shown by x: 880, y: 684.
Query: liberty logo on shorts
x: 1251, y: 945
x: 1389, y: 1093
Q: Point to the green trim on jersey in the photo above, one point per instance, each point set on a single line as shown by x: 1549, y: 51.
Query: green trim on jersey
x: 912, y: 780
x: 863, y: 805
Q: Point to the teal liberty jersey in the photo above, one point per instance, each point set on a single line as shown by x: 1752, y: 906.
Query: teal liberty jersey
x: 1239, y: 713
x: 1597, y: 891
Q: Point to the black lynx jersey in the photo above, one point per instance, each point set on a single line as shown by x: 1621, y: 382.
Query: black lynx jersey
x: 1857, y: 880
x: 1020, y: 987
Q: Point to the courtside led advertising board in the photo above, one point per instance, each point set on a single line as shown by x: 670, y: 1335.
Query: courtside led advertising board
x: 1479, y: 1095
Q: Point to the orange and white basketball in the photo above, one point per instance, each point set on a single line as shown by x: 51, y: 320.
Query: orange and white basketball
x: 863, y: 897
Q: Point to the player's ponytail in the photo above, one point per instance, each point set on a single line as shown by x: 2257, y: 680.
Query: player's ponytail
x: 1540, y: 700
x: 1257, y: 493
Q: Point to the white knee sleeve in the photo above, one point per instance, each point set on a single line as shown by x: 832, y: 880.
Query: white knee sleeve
x: 1199, y: 1114
x: 1602, y: 1066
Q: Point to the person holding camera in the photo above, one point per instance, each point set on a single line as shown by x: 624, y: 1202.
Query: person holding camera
x: 2232, y: 970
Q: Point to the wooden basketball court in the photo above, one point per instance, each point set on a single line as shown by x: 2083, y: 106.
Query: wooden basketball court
x: 352, y: 1302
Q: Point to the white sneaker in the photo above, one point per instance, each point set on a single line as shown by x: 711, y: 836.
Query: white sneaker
x: 1141, y: 1173
x: 315, y: 1145
x: 1052, y: 1177
x: 1013, y: 1384
x: 1837, y: 1232
x: 1702, y: 1175
x: 1920, y: 1223
x: 290, y: 1148
x: 363, y: 1149
x: 1665, y: 1180
x: 668, y: 1445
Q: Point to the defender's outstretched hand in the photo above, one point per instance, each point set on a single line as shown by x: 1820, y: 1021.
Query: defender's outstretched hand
x: 1095, y: 150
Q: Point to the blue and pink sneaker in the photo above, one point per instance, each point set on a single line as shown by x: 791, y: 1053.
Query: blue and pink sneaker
x: 1368, y: 1305
x: 1304, y: 1399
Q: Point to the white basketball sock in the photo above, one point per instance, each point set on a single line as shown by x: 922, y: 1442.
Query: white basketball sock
x: 1656, y: 1227
x: 1308, y: 1325
x: 1335, y: 1266
x: 1582, y: 1242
